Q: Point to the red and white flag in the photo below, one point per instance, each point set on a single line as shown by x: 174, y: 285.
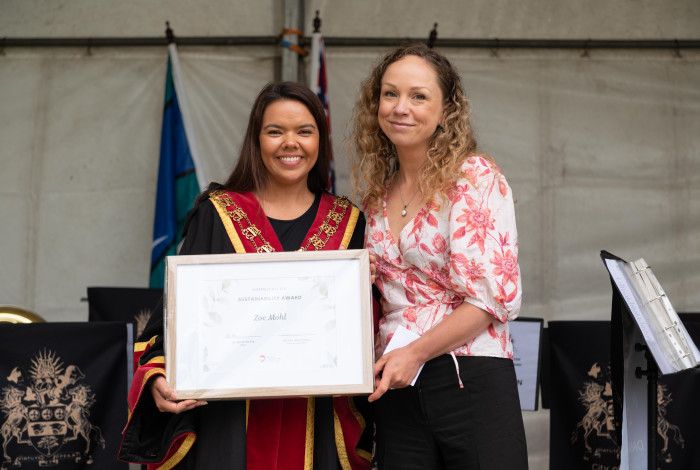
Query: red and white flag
x: 318, y: 83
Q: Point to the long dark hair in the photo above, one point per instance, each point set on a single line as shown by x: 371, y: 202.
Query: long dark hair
x: 250, y: 173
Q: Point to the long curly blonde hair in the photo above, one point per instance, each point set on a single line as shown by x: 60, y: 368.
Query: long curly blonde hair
x: 375, y: 161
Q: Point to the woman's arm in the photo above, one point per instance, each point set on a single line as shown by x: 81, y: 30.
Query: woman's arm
x: 397, y: 368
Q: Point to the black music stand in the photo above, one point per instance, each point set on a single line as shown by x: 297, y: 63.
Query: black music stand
x: 633, y: 345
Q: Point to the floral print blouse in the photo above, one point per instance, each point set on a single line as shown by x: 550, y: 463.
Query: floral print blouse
x: 463, y: 250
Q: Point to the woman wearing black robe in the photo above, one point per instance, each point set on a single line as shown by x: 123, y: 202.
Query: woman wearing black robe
x: 279, y: 183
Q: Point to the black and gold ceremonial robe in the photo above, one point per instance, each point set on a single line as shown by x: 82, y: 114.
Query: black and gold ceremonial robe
x: 278, y: 434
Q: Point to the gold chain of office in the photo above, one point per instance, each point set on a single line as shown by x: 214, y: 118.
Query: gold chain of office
x: 251, y: 232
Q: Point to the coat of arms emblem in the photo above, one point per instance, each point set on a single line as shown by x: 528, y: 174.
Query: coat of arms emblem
x: 44, y: 410
x: 597, y: 426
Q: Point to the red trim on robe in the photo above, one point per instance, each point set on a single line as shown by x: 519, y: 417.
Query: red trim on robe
x: 276, y: 437
x: 141, y: 378
x: 255, y: 216
x: 324, y: 207
x: 250, y: 205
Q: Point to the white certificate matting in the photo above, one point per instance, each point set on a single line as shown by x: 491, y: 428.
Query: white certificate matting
x: 266, y: 325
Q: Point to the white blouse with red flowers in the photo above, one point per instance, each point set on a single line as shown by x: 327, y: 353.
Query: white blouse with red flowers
x: 464, y: 251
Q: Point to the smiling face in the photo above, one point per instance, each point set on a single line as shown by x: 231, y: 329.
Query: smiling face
x: 410, y: 103
x: 289, y: 142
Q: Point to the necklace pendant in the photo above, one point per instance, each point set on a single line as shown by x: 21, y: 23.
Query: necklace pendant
x: 404, y: 212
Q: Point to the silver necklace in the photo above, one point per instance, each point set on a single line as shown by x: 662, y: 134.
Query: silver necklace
x: 404, y: 211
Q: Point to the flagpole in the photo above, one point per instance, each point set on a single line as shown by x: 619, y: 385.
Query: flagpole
x: 315, y: 62
x: 183, y: 102
x: 318, y: 83
x: 315, y: 55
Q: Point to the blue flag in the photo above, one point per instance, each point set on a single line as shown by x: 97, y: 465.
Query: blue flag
x: 177, y: 182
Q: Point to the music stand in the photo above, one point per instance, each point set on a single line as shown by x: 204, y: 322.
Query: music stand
x: 645, y: 331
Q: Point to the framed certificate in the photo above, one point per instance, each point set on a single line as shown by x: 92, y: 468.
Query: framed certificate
x: 269, y: 324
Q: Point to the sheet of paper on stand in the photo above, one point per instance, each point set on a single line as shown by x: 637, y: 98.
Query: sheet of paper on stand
x: 668, y: 328
x: 658, y: 321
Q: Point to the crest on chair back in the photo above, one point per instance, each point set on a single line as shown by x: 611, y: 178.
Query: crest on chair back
x: 45, y: 407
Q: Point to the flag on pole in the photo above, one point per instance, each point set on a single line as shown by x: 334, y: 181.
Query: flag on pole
x: 319, y: 84
x: 178, y: 184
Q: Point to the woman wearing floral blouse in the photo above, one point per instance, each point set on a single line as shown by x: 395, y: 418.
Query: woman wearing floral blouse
x: 441, y: 227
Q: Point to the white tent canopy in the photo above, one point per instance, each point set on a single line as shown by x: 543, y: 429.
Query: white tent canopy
x: 601, y: 149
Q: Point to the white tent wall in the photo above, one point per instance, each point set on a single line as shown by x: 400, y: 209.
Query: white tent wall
x: 555, y: 19
x: 67, y: 179
x: 138, y: 18
x: 602, y: 150
x: 602, y: 153
x: 504, y: 19
x: 80, y: 139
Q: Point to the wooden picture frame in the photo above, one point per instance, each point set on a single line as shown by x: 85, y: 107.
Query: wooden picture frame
x: 301, y: 325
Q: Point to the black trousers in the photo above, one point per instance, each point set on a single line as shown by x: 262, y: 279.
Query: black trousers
x: 438, y: 425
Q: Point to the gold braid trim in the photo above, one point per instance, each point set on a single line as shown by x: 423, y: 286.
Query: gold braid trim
x: 360, y: 419
x: 347, y: 236
x: 146, y: 377
x: 340, y: 440
x: 138, y: 347
x: 226, y: 220
x: 229, y: 212
x: 247, y: 412
x: 330, y: 224
x: 179, y: 453
x: 364, y: 454
x: 309, y: 454
x: 358, y: 416
x: 156, y: 359
x: 248, y: 229
x: 340, y: 443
